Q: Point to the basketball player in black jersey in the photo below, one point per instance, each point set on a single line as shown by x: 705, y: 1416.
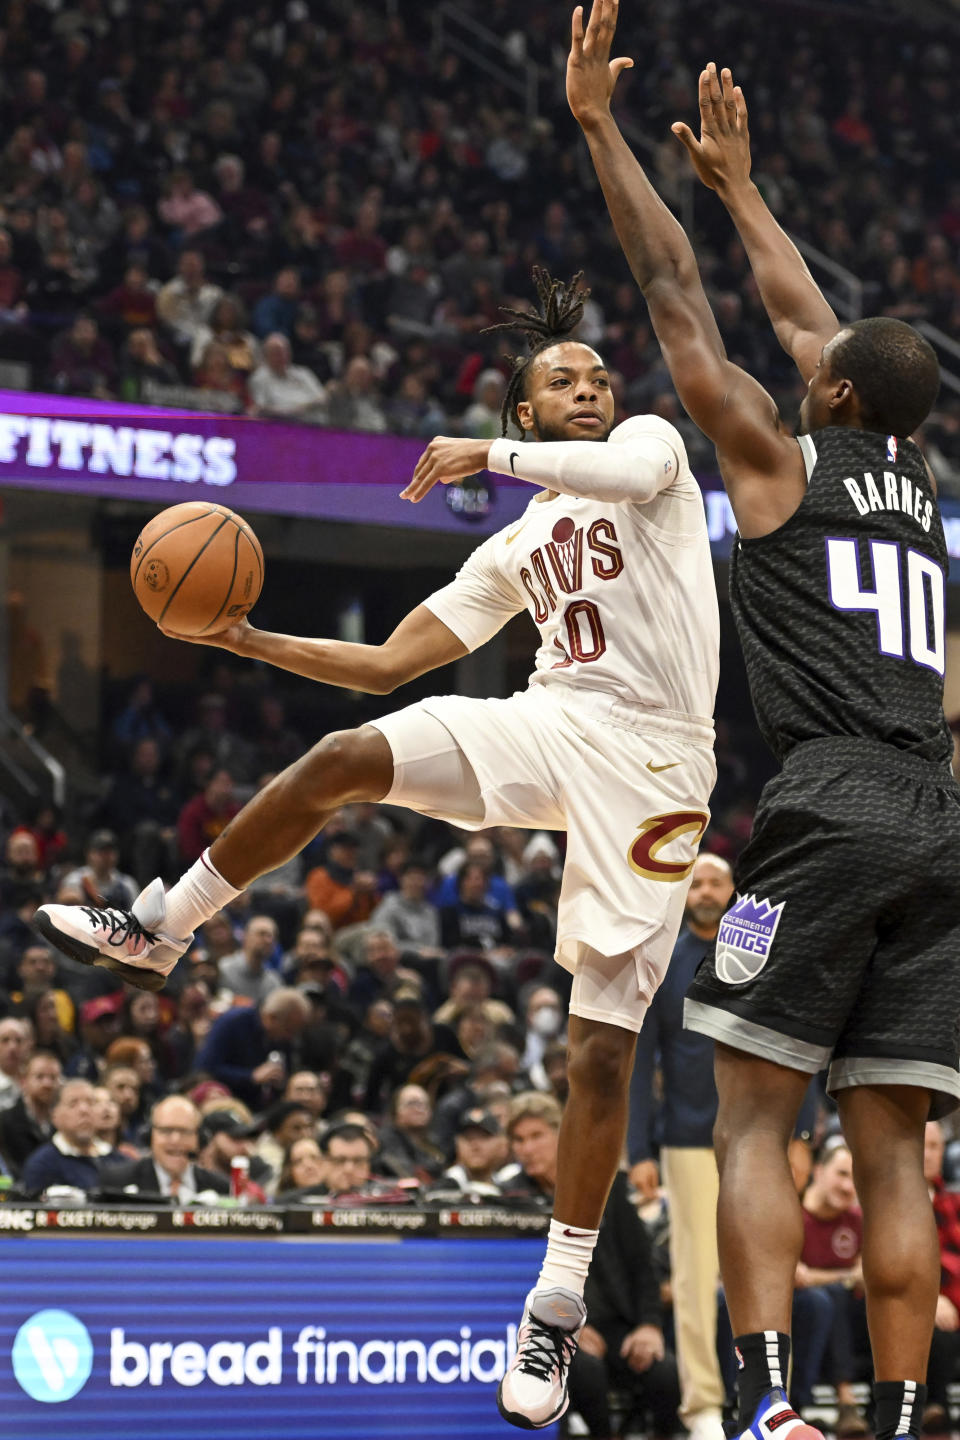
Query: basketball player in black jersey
x: 843, y: 943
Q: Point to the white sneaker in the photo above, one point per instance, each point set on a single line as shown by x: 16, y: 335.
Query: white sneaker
x: 706, y: 1425
x: 533, y: 1392
x: 128, y: 943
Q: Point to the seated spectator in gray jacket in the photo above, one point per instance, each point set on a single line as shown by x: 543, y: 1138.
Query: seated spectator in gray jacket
x: 99, y: 878
x: 280, y: 390
x: 245, y: 971
x: 73, y: 1156
x: 412, y: 920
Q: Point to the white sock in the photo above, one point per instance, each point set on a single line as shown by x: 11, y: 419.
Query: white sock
x: 569, y: 1252
x: 195, y: 897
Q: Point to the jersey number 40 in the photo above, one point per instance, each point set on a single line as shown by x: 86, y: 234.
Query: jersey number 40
x: 909, y: 601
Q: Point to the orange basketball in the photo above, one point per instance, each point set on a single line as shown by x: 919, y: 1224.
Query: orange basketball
x: 197, y: 568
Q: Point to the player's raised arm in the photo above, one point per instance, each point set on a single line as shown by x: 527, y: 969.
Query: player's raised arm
x: 803, y: 320
x: 726, y: 403
x: 421, y: 642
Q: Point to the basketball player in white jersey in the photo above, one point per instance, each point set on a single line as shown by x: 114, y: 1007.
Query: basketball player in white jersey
x: 611, y: 741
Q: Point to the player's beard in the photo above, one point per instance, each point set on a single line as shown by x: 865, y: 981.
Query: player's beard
x: 544, y: 431
x: 707, y: 915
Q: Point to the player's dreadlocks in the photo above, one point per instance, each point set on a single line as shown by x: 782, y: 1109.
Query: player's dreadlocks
x: 560, y: 312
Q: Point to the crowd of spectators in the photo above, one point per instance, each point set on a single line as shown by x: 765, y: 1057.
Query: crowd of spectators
x: 311, y: 214
x: 345, y: 1061
x: 253, y: 208
x: 382, y: 1020
x: 302, y: 1055
x: 397, y: 976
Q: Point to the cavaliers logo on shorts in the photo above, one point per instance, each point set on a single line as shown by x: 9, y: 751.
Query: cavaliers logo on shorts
x: 658, y: 832
x: 745, y: 939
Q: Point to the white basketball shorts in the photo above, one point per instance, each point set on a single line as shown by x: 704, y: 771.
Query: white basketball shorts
x: 630, y: 787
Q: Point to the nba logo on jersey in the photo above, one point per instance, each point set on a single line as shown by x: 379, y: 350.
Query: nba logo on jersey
x: 891, y: 448
x: 745, y: 939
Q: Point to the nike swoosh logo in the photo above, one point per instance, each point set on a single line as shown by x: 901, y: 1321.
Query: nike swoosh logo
x: 577, y: 1234
x: 513, y: 456
x: 513, y: 536
x: 655, y: 769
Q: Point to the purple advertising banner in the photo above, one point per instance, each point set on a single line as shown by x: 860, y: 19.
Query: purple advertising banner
x: 132, y: 452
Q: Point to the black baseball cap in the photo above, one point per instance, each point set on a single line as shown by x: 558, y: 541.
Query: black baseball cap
x: 479, y: 1120
x: 221, y: 1122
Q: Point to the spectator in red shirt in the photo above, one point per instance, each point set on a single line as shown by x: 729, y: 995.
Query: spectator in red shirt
x: 215, y: 373
x: 132, y: 302
x: 362, y: 249
x: 945, y: 1350
x: 851, y: 128
x: 82, y: 361
x: 204, y: 817
x: 828, y: 1304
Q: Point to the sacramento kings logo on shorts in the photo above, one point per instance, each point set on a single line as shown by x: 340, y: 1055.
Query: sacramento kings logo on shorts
x: 745, y: 939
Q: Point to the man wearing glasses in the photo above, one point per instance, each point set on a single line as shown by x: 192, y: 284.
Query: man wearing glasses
x: 169, y: 1170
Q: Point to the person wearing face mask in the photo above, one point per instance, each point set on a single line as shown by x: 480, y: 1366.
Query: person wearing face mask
x: 544, y: 1021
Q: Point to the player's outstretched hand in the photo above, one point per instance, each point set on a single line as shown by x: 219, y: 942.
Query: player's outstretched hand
x: 591, y: 74
x: 721, y: 157
x: 444, y: 462
x: 230, y: 639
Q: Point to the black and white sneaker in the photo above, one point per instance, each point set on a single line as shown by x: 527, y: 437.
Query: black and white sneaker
x: 128, y: 943
x: 533, y: 1392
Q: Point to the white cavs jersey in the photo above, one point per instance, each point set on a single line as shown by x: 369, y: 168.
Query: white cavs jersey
x: 615, y: 570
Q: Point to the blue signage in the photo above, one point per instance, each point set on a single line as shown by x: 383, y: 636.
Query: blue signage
x: 52, y: 1356
x: 209, y: 1339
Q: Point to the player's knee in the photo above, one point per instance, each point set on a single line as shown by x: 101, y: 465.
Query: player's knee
x: 722, y: 1133
x: 348, y: 765
x: 602, y: 1059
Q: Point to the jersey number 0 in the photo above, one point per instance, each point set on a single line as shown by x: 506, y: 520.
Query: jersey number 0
x: 585, y: 638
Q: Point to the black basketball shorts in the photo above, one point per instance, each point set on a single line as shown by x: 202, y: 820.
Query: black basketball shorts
x: 842, y: 945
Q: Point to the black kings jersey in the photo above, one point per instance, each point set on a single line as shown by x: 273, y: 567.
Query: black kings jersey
x: 841, y: 612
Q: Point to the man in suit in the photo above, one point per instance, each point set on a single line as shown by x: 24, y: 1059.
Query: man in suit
x: 169, y: 1169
